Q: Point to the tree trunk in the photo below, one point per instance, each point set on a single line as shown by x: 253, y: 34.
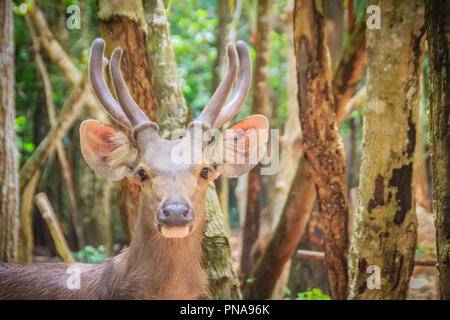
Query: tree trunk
x: 438, y: 35
x: 221, y: 36
x: 347, y: 71
x: 70, y: 112
x: 322, y: 143
x: 309, y: 273
x: 172, y: 111
x: 95, y: 199
x: 64, y: 62
x: 123, y: 24
x: 9, y: 179
x: 260, y: 104
x: 304, y: 274
x: 385, y: 229
x: 295, y: 216
x: 222, y: 279
x: 223, y: 283
x: 26, y: 236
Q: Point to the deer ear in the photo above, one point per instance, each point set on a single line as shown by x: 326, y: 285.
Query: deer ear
x: 106, y: 150
x: 240, y: 147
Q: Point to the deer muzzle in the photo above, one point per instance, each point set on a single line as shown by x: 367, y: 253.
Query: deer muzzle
x: 175, y: 219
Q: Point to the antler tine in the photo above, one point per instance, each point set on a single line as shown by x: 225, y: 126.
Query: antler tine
x: 137, y: 117
x: 97, y: 63
x: 242, y: 86
x: 212, y: 110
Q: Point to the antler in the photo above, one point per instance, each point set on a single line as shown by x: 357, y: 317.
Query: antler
x: 137, y: 117
x: 97, y: 64
x: 126, y: 112
x: 242, y: 86
x: 215, y: 114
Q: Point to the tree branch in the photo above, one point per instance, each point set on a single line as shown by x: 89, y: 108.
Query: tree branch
x: 55, y: 230
x: 322, y: 143
x: 350, y: 68
x: 65, y: 166
x: 57, y: 54
x: 354, y: 103
x: 69, y: 114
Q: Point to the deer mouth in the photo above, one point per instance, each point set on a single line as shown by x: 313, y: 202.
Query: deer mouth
x: 175, y: 219
x: 175, y: 232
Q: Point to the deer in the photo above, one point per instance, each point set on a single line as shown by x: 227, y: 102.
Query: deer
x: 164, y: 257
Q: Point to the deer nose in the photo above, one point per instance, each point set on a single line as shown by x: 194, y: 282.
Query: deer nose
x: 175, y: 215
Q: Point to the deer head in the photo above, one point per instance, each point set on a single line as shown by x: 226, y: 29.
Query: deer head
x: 172, y: 194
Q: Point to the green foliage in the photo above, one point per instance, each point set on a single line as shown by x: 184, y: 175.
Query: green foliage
x: 309, y: 294
x: 22, y: 7
x: 91, y: 255
x: 194, y: 43
x: 194, y: 31
x: 31, y: 112
x: 426, y: 250
x: 27, y: 91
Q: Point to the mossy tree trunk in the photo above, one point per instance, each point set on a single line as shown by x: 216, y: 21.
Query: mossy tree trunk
x: 438, y: 36
x: 172, y: 112
x: 310, y: 273
x: 9, y: 178
x: 321, y: 141
x: 385, y: 229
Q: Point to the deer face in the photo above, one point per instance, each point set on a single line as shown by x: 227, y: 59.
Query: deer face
x: 172, y: 187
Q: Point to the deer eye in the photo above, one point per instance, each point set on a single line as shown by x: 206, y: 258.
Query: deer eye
x: 142, y: 174
x: 204, y: 173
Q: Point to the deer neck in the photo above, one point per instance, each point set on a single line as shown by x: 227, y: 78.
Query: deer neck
x: 162, y: 268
